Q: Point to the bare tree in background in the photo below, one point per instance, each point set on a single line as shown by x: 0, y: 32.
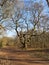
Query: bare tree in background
x: 13, y: 9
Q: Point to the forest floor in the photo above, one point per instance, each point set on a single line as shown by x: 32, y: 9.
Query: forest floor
x: 20, y: 57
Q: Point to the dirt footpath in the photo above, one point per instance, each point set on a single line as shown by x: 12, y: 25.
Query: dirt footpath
x: 8, y: 57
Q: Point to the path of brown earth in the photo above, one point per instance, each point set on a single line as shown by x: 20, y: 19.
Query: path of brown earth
x: 21, y: 58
